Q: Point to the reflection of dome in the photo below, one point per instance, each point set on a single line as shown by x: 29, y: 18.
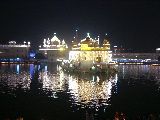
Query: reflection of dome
x: 88, y: 92
x: 94, y: 91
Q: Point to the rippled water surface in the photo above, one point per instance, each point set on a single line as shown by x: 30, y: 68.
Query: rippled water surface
x: 46, y: 92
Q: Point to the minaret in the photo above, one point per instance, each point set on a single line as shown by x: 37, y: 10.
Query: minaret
x: 106, y: 36
x: 98, y: 40
x: 106, y: 43
x: 44, y: 43
x: 76, y: 35
x: 88, y: 35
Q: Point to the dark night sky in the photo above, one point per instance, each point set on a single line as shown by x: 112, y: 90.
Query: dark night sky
x: 132, y: 24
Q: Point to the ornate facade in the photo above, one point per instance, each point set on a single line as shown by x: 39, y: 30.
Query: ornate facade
x: 89, y: 54
x: 54, y: 49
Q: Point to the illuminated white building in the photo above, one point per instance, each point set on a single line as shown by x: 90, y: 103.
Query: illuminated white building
x: 54, y: 49
x: 88, y: 54
x: 14, y: 50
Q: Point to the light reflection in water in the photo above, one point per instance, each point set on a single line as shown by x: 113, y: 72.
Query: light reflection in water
x: 18, y: 69
x: 46, y: 67
x: 91, y: 90
x: 85, y: 91
x: 52, y: 81
x: 14, y: 78
x: 31, y: 69
x: 138, y: 71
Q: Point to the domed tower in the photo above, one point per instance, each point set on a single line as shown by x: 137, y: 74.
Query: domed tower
x: 89, y: 41
x: 106, y: 43
x: 88, y: 37
x: 74, y: 44
x: 86, y: 40
x: 55, y: 40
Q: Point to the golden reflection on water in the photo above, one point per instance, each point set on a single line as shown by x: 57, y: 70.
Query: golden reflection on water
x: 84, y: 88
x: 86, y: 91
x: 91, y: 90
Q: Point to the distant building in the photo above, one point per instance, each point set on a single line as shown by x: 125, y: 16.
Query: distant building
x: 136, y: 56
x: 14, y: 51
x: 54, y: 49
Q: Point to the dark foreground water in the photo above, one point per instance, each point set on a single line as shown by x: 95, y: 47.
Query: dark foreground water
x: 32, y: 93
